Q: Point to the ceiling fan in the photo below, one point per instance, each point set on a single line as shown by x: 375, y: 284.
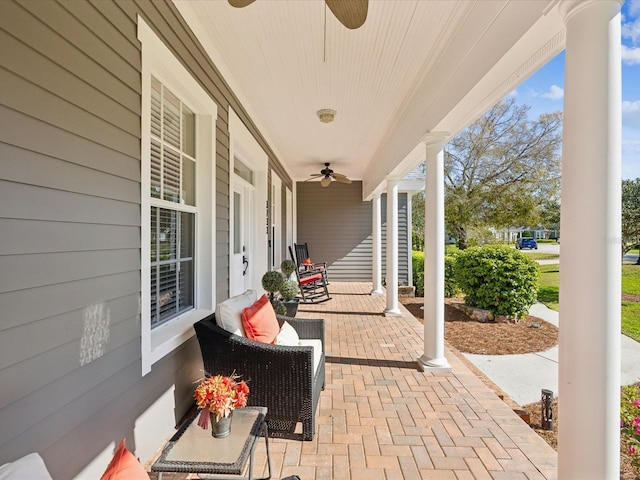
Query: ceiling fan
x: 327, y: 175
x: 350, y: 13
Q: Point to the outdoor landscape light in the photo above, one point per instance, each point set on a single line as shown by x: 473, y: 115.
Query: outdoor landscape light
x: 547, y: 410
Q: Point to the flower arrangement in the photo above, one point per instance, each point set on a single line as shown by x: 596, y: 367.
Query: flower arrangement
x: 630, y: 421
x: 220, y: 395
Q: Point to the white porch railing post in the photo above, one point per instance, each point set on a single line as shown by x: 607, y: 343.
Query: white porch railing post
x: 433, y: 358
x: 392, y: 248
x: 589, y: 340
x: 376, y: 237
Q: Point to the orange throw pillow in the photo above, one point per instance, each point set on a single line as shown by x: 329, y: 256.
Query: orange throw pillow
x: 124, y: 466
x: 260, y: 322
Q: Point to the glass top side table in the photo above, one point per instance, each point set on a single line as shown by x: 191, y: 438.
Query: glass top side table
x: 194, y: 450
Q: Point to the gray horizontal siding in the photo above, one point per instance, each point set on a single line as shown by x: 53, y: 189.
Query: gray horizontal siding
x: 70, y: 225
x: 69, y: 177
x: 404, y: 242
x: 18, y: 129
x: 322, y: 217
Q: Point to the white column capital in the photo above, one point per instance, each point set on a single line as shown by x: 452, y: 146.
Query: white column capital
x: 436, y: 139
x: 392, y: 181
x: 568, y: 8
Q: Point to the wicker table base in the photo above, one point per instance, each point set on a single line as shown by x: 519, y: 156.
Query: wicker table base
x: 194, y: 450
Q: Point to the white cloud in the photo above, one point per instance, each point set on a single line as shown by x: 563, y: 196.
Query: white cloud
x: 631, y: 22
x: 554, y: 93
x: 631, y: 114
x: 630, y: 159
x: 630, y: 55
x: 513, y: 93
x: 634, y: 7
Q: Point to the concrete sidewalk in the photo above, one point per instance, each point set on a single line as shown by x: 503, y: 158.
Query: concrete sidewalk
x: 522, y: 377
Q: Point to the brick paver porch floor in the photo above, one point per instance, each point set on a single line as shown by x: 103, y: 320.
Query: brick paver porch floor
x: 381, y: 418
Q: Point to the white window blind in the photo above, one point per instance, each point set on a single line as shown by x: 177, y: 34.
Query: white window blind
x: 173, y: 209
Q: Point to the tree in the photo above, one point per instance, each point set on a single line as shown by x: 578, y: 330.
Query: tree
x: 501, y: 170
x: 550, y: 214
x: 630, y: 214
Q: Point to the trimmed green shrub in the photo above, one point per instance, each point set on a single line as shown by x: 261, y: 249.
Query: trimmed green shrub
x: 288, y: 267
x: 417, y: 265
x: 272, y: 281
x: 451, y: 250
x: 497, y: 278
x: 451, y: 288
x: 289, y: 290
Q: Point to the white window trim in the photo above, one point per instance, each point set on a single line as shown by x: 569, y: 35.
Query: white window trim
x: 244, y: 146
x: 157, y: 60
x: 276, y: 220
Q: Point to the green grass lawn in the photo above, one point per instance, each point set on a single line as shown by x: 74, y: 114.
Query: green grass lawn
x: 540, y: 256
x: 550, y: 290
x: 631, y: 319
x: 631, y: 279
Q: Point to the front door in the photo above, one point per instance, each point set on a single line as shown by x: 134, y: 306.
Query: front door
x: 241, y: 268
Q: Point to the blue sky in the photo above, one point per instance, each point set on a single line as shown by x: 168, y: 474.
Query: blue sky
x: 544, y: 91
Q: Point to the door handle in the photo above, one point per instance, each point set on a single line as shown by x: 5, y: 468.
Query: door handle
x: 245, y: 262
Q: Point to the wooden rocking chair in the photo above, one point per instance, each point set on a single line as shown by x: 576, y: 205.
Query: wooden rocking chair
x: 312, y: 282
x: 302, y: 256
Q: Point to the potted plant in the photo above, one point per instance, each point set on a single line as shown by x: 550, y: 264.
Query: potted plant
x: 282, y: 290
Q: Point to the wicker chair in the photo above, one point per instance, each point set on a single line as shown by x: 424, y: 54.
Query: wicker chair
x: 280, y: 377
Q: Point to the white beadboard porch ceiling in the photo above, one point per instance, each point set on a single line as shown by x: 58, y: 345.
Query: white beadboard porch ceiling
x: 415, y: 66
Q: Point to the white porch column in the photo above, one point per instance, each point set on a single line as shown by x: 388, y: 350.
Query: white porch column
x: 376, y: 237
x: 392, y: 249
x: 433, y: 359
x: 589, y: 349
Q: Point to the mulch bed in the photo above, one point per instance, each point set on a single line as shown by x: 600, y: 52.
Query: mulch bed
x: 471, y: 336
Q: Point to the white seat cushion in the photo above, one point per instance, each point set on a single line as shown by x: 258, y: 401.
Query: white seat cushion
x: 287, y: 336
x: 317, y: 351
x: 30, y: 467
x: 229, y: 312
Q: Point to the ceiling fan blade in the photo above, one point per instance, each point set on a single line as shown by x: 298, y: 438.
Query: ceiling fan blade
x: 342, y: 179
x: 313, y: 177
x: 339, y: 175
x: 325, y: 181
x: 240, y: 3
x: 351, y: 14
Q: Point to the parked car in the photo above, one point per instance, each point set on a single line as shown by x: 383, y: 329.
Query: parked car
x: 526, y: 242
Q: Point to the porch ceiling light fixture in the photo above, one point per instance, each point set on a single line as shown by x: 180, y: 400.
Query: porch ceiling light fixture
x: 326, y: 115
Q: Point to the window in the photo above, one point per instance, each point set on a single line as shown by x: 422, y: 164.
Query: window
x: 173, y: 208
x: 177, y: 201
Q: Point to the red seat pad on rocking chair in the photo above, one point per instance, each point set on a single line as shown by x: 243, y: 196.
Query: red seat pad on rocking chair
x: 310, y: 278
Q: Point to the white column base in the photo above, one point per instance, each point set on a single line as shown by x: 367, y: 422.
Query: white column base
x: 377, y: 293
x: 436, y: 365
x: 392, y: 312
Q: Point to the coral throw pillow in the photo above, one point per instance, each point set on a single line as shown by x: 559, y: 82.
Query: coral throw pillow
x: 124, y: 466
x: 260, y: 322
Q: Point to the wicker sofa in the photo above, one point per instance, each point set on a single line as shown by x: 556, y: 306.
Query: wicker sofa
x: 280, y: 378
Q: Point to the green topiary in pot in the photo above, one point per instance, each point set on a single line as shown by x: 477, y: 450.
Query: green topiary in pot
x: 287, y: 267
x: 271, y: 282
x: 282, y: 291
x: 288, y: 290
